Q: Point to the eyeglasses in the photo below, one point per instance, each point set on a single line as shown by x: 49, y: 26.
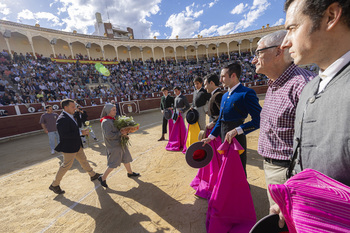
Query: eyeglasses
x: 257, y: 52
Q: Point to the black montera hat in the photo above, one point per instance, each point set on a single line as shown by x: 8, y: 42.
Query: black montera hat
x: 269, y: 224
x: 192, y: 116
x: 167, y: 114
x: 198, y: 156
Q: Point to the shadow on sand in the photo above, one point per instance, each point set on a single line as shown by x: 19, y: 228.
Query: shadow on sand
x: 111, y: 217
x: 254, y: 159
x: 183, y: 217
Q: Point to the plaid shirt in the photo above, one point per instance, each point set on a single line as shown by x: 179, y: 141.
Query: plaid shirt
x: 278, y: 113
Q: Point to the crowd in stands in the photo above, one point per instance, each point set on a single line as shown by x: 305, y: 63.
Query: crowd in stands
x: 24, y: 79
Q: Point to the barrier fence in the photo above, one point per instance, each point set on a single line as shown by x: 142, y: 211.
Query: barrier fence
x: 25, y: 118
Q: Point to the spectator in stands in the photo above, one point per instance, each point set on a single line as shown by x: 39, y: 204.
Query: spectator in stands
x: 129, y: 79
x: 3, y: 113
x: 2, y: 89
x: 3, y: 81
x: 48, y: 123
x: 6, y: 99
x: 40, y: 96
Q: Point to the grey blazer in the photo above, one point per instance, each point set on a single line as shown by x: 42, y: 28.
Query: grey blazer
x: 181, y: 102
x: 322, y: 126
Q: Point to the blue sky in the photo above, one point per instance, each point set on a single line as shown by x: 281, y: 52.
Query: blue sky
x: 162, y: 18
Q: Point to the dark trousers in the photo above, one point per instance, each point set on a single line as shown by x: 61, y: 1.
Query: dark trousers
x: 165, y: 124
x: 228, y: 126
x: 211, y: 119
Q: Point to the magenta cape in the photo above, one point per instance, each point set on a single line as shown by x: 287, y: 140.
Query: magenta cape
x: 231, y: 207
x: 177, y: 135
x: 206, y: 177
x: 170, y: 125
x: 313, y: 202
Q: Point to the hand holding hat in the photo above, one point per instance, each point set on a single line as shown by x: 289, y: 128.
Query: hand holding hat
x: 167, y: 114
x: 199, y: 155
x: 269, y: 223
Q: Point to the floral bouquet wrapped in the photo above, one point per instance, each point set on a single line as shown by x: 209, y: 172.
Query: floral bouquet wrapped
x: 128, y: 123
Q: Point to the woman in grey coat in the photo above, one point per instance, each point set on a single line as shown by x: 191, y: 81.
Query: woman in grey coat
x: 111, y: 135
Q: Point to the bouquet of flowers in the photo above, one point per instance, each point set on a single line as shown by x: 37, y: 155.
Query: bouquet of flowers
x: 128, y: 123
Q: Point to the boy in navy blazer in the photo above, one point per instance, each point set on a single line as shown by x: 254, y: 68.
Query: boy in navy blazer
x: 70, y: 144
x: 236, y: 104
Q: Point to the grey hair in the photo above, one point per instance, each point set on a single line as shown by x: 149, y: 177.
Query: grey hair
x: 276, y: 38
x: 106, y: 110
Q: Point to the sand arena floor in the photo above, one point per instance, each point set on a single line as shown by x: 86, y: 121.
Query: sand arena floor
x: 161, y: 200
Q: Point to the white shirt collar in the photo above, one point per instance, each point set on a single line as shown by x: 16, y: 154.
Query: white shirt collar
x: 68, y: 114
x: 233, y: 88
x: 71, y: 116
x: 213, y: 92
x: 333, y: 69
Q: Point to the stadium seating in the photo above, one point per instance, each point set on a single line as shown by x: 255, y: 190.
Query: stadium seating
x: 25, y: 79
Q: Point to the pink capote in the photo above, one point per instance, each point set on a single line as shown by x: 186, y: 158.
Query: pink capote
x: 170, y: 126
x: 313, y: 202
x: 177, y: 135
x: 186, y: 136
x: 206, y: 177
x: 231, y: 207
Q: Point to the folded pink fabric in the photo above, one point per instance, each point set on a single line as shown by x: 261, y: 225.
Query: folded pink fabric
x: 170, y: 126
x: 231, y: 207
x: 206, y: 177
x: 177, y: 135
x: 313, y: 202
x: 186, y: 136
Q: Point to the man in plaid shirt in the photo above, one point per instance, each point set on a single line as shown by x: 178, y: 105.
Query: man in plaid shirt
x: 286, y: 81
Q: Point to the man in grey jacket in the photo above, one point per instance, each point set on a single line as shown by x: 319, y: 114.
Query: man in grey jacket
x: 323, y: 113
x: 319, y: 32
x: 200, y: 101
x: 181, y: 104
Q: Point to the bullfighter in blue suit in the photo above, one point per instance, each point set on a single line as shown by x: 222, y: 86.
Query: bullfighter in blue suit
x: 236, y: 104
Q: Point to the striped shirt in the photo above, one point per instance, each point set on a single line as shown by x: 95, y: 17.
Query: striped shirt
x: 278, y: 113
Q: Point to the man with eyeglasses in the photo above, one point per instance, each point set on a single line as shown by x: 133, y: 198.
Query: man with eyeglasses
x: 286, y: 81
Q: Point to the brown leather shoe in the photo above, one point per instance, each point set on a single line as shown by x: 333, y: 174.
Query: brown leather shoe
x: 95, y: 177
x: 56, y: 189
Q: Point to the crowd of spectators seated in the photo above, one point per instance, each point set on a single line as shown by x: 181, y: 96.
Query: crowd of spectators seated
x: 24, y: 79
